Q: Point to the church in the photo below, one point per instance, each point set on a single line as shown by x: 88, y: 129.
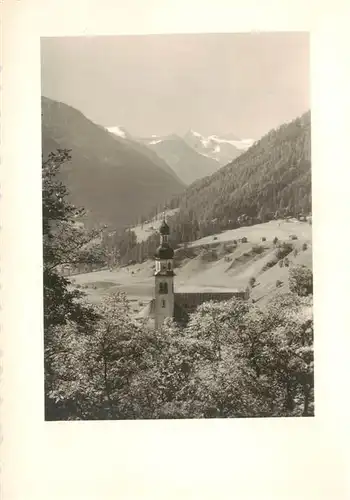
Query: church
x: 177, y: 305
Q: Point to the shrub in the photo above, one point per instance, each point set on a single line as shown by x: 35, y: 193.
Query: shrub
x: 304, y: 247
x: 286, y: 262
x: 252, y: 281
x: 258, y: 249
x: 244, y: 239
x: 263, y: 238
x: 279, y: 283
x: 269, y: 264
x: 229, y: 248
x: 215, y: 238
x: 280, y: 263
x: 234, y: 242
x: 293, y: 237
x: 275, y: 240
x: 301, y: 280
x: 283, y: 250
x: 209, y: 255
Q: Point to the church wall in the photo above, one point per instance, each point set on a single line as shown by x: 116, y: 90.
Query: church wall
x: 190, y: 301
x: 164, y: 299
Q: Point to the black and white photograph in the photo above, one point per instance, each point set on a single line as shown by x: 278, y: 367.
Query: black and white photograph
x: 177, y: 226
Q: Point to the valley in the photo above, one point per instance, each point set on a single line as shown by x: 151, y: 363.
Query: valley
x: 177, y: 227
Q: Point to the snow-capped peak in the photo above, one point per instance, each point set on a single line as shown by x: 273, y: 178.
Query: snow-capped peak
x: 239, y: 144
x: 117, y: 131
x: 211, y: 141
x: 196, y: 134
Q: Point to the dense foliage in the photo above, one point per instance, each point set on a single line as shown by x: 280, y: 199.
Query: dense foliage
x: 301, y: 281
x: 231, y: 360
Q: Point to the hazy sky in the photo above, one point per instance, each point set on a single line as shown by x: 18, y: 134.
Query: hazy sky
x: 159, y: 84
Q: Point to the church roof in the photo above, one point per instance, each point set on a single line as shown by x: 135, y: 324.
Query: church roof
x: 164, y: 251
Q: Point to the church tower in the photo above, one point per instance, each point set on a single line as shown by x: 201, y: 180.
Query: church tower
x: 164, y: 277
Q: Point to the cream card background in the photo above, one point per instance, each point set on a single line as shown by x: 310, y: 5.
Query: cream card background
x: 243, y: 459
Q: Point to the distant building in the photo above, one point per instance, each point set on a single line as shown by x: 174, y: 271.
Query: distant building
x: 178, y: 305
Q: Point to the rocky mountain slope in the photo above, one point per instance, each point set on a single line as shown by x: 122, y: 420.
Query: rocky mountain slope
x: 223, y: 148
x: 185, y: 161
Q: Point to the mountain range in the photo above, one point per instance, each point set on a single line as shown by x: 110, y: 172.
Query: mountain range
x: 119, y: 179
x: 114, y: 178
x: 191, y: 156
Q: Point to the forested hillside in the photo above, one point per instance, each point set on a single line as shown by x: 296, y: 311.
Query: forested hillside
x: 273, y: 175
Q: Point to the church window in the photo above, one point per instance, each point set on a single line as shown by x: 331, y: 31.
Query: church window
x: 163, y: 288
x: 169, y: 266
x: 163, y: 303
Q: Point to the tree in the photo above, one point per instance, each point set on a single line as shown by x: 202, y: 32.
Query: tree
x: 301, y: 280
x: 123, y: 370
x: 94, y: 368
x: 232, y: 360
x: 65, y: 241
x: 277, y: 344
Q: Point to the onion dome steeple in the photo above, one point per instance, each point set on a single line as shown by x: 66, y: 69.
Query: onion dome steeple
x: 164, y: 251
x: 164, y: 228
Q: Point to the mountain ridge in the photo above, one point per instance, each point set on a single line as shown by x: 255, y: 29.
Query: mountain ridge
x: 192, y: 156
x: 115, y: 180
